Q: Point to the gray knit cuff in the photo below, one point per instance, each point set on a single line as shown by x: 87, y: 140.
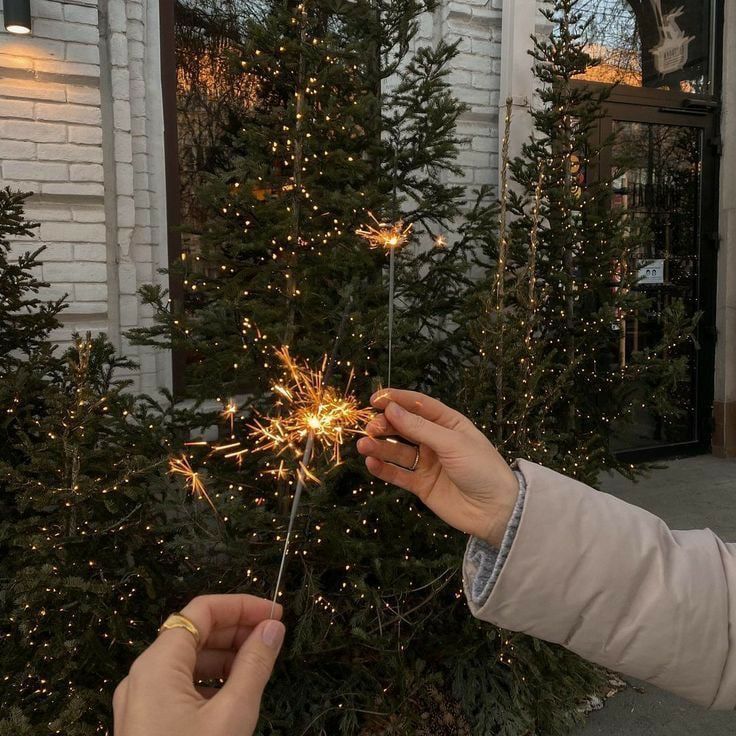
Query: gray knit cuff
x: 487, y: 560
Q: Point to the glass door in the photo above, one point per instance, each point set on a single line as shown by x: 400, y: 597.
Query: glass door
x: 663, y: 177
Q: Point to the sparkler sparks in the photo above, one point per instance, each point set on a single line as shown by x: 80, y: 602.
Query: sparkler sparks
x: 313, y: 409
x: 228, y: 413
x: 192, y: 479
x: 385, y: 235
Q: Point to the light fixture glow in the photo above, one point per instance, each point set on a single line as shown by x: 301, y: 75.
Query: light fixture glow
x: 17, y: 16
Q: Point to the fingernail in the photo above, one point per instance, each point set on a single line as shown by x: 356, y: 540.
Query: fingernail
x: 396, y: 409
x: 272, y: 634
x: 378, y: 395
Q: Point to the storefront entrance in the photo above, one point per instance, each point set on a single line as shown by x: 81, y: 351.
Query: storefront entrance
x: 663, y: 166
x: 660, y: 60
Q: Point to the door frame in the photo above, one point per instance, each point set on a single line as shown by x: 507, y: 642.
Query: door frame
x: 668, y: 108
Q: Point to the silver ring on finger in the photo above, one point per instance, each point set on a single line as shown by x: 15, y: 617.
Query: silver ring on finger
x: 417, y: 458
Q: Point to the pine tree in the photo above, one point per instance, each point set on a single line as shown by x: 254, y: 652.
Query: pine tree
x: 555, y: 385
x: 378, y: 625
x: 88, y: 512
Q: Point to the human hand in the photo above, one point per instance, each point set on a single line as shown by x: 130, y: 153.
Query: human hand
x: 460, y: 475
x: 238, y: 643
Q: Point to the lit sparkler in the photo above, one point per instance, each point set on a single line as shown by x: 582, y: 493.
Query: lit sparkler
x: 385, y: 235
x: 192, y: 479
x: 228, y: 413
x: 316, y: 416
x: 389, y: 237
x: 313, y: 409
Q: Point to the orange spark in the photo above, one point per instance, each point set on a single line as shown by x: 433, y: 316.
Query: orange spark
x: 229, y: 412
x: 311, y: 409
x: 385, y: 235
x: 192, y: 479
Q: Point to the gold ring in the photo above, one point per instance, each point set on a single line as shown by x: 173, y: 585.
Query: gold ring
x: 416, y: 459
x: 179, y: 621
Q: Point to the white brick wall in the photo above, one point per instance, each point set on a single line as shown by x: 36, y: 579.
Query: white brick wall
x: 475, y: 81
x: 78, y: 98
x: 81, y: 127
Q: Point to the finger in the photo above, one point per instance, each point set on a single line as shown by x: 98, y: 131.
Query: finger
x: 390, y: 451
x: 213, y: 664
x: 119, y: 698
x: 380, y: 427
x: 425, y: 406
x: 177, y: 648
x: 393, y: 474
x: 250, y: 672
x: 231, y: 637
x: 419, y: 430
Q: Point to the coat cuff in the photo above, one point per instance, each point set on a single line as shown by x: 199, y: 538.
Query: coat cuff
x: 483, y: 562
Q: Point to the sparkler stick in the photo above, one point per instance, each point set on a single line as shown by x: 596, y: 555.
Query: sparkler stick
x: 388, y: 237
x: 308, y: 449
x: 391, y: 279
x: 317, y: 415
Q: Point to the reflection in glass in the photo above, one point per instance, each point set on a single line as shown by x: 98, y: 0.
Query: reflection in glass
x: 657, y: 171
x: 662, y: 44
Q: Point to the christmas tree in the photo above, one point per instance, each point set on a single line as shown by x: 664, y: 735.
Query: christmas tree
x: 347, y: 119
x: 88, y: 512
x: 558, y: 381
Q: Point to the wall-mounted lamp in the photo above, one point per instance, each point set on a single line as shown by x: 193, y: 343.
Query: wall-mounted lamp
x: 17, y: 15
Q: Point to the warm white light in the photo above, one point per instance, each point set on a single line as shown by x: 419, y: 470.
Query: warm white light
x: 20, y: 30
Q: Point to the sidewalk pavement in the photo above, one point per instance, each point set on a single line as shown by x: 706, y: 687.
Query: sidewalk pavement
x: 690, y: 493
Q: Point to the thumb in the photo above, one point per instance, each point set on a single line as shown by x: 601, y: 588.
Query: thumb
x: 250, y: 672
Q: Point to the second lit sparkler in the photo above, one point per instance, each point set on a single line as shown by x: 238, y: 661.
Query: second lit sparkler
x: 389, y: 237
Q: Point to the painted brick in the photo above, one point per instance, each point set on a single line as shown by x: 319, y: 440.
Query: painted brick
x: 90, y: 292
x: 47, y: 9
x: 16, y: 109
x: 483, y: 143
x: 120, y: 78
x: 91, y: 308
x: 90, y: 252
x: 73, y: 232
x: 43, y: 213
x: 69, y: 113
x: 129, y: 310
x: 85, y: 134
x: 69, y: 152
x: 35, y: 91
x: 123, y: 149
x: 83, y: 95
x: 94, y: 272
x: 70, y: 67
x: 18, y: 149
x: 16, y: 61
x: 32, y: 131
x: 78, y: 14
x: 82, y: 52
x: 121, y: 115
x: 57, y: 252
x: 85, y: 172
x: 34, y: 170
x: 36, y: 47
x: 92, y: 213
x: 84, y: 188
x: 69, y: 31
x: 57, y: 291
x: 134, y: 11
x: 119, y: 49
